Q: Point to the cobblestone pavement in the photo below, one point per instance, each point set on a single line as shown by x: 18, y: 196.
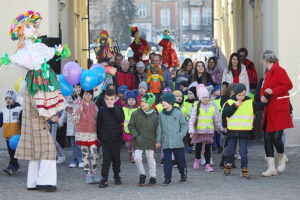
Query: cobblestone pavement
x: 201, y: 184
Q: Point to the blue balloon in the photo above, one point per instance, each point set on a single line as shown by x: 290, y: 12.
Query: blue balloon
x: 100, y: 73
x: 88, y: 80
x: 13, y: 142
x: 65, y: 87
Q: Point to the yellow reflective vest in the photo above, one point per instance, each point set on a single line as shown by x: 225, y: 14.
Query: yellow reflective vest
x: 127, y: 113
x: 159, y: 107
x: 218, y: 103
x: 243, y: 117
x: 205, y: 119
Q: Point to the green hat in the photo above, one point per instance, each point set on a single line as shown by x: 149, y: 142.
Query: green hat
x: 169, y: 98
x: 149, y: 98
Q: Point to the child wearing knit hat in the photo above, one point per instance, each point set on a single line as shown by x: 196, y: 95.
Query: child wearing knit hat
x: 121, y: 95
x: 128, y: 109
x: 172, y: 128
x: 238, y: 116
x: 142, y: 125
x: 143, y: 88
x: 10, y: 119
x: 216, y: 99
x: 205, y: 117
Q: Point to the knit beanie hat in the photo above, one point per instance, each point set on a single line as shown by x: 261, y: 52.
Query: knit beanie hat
x: 238, y: 88
x: 166, y: 90
x: 215, y: 89
x: 177, y: 93
x: 169, y: 98
x: 122, y: 89
x: 12, y: 94
x: 143, y: 84
x: 131, y: 94
x: 202, y: 91
x: 140, y: 64
x: 149, y: 98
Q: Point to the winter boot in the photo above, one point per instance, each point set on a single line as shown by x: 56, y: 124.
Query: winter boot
x: 196, y: 163
x: 142, y: 180
x: 271, y: 171
x: 245, y: 173
x: 152, y: 181
x: 227, y: 169
x: 281, y: 163
x: 223, y: 161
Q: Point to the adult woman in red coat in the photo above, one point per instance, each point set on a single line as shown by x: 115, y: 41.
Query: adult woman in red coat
x: 276, y: 112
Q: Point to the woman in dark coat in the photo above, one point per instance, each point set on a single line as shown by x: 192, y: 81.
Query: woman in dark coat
x: 276, y: 111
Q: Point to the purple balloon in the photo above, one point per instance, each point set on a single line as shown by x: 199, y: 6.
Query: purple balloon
x: 72, y: 72
x: 96, y: 65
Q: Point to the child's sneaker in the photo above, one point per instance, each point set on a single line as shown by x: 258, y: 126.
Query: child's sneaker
x: 167, y: 181
x: 183, y: 179
x: 196, y: 163
x: 61, y: 160
x: 152, y: 181
x: 8, y: 171
x: 103, y: 183
x: 118, y: 180
x: 209, y: 168
x: 80, y: 165
x: 142, y: 180
x: 89, y: 179
x: 96, y: 178
x: 72, y: 165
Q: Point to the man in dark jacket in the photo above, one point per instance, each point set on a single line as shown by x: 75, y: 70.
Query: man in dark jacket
x: 109, y: 131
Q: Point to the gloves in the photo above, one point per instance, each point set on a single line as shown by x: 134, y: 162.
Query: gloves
x: 5, y: 60
x: 62, y: 51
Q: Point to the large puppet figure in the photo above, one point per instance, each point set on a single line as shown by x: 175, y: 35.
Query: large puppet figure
x: 139, y: 46
x: 155, y: 79
x: 42, y: 100
x: 169, y: 56
x: 105, y: 51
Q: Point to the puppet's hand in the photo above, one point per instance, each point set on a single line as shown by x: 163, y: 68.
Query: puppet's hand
x: 5, y: 60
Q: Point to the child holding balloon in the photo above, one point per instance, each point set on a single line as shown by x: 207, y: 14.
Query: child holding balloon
x: 84, y: 116
x: 10, y: 119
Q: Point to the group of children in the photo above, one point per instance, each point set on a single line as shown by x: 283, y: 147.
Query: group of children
x: 134, y: 118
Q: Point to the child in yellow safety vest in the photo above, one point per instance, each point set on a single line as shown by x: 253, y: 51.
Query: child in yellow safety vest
x: 131, y: 106
x: 238, y: 116
x: 185, y: 107
x: 205, y: 117
x: 216, y: 99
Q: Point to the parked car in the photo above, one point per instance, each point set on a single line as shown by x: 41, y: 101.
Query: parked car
x: 196, y: 45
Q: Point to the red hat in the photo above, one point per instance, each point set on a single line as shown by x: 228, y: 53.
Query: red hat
x: 104, y: 34
x: 133, y: 30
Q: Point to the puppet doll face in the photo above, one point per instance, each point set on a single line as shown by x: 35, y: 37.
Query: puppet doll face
x: 137, y: 35
x: 103, y: 42
x: 29, y: 31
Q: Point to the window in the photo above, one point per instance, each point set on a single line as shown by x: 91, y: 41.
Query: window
x: 195, y: 21
x: 142, y: 11
x: 207, y: 16
x: 185, y: 16
x: 165, y: 17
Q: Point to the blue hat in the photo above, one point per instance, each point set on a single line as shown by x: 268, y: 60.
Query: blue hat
x: 131, y: 94
x: 215, y: 89
x: 122, y: 89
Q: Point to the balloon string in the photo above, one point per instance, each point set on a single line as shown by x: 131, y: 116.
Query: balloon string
x: 101, y: 89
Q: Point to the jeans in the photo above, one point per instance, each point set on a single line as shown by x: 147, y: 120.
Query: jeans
x: 243, y: 150
x: 179, y: 159
x: 217, y: 140
x: 273, y: 139
x: 76, y: 151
